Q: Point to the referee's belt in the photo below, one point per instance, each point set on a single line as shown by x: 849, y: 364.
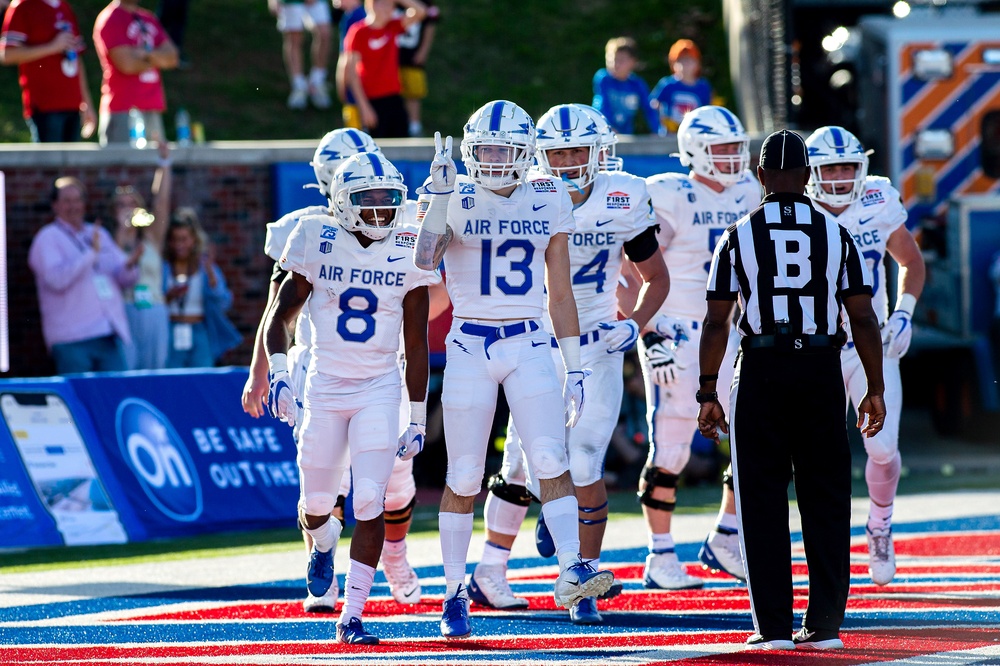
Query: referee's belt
x: 585, y: 338
x: 793, y: 342
x: 495, y: 333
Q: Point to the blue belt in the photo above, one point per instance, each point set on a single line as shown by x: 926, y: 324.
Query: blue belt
x: 585, y: 338
x: 494, y: 333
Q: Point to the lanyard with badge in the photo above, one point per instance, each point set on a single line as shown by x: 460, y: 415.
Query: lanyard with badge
x: 102, y: 285
x: 183, y: 331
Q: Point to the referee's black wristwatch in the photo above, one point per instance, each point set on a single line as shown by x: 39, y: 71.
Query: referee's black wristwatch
x: 709, y: 396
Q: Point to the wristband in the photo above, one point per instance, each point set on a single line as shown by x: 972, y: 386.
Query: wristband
x: 704, y: 379
x: 278, y: 363
x: 906, y: 303
x: 651, y: 339
x: 418, y: 413
x: 435, y: 217
x: 569, y: 347
x: 702, y: 398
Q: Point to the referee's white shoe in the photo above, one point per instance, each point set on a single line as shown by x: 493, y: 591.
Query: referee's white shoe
x: 665, y: 572
x: 881, y: 555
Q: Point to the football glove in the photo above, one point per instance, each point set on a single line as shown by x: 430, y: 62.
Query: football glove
x: 281, y: 400
x: 896, y: 334
x: 661, y: 362
x: 673, y: 329
x: 411, y: 442
x: 443, y: 169
x: 621, y: 335
x: 573, y: 395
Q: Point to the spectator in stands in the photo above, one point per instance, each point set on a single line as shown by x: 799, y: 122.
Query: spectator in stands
x: 294, y: 17
x: 142, y: 231
x: 682, y: 91
x: 43, y: 39
x: 173, y: 16
x: 133, y: 47
x: 352, y: 11
x: 80, y: 274
x: 196, y: 295
x: 371, y: 65
x: 619, y: 93
x: 414, y: 47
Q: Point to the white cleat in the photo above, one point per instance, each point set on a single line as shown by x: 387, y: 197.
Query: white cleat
x: 324, y: 604
x: 721, y: 552
x: 665, y: 572
x: 403, y: 582
x: 881, y: 555
x: 581, y: 580
x: 489, y: 587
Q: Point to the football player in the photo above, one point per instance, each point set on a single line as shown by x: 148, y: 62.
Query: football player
x: 613, y: 220
x: 505, y: 234
x: 870, y: 208
x: 363, y: 290
x: 692, y: 210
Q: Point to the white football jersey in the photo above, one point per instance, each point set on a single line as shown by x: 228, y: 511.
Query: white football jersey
x: 616, y: 211
x: 496, y: 260
x: 356, y: 306
x: 871, y: 220
x: 278, y: 231
x: 697, y: 216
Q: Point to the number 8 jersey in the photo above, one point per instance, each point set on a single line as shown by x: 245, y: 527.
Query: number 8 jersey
x: 356, y: 306
x: 496, y: 260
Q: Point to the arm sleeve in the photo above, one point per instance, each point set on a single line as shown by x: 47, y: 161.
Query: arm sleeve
x: 15, y: 30
x: 278, y: 273
x: 722, y: 283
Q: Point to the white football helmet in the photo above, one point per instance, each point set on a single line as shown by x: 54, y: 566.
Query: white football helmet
x: 505, y: 125
x: 567, y: 126
x: 367, y: 181
x: 709, y: 126
x: 608, y: 160
x: 835, y: 145
x: 333, y: 149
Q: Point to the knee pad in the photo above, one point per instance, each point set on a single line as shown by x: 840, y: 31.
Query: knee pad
x: 727, y: 478
x: 317, y: 504
x: 547, y: 456
x: 465, y: 476
x: 369, y: 499
x: 656, y: 478
x: 400, y: 516
x: 509, y: 492
x: 672, y: 456
x: 586, y: 465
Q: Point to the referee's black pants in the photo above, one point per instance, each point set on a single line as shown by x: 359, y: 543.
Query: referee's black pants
x: 788, y: 418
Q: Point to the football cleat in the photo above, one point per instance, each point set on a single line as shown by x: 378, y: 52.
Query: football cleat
x: 354, y: 634
x: 616, y: 588
x: 488, y: 587
x: 721, y: 552
x: 319, y: 574
x: 665, y: 572
x: 817, y: 640
x: 324, y: 604
x: 881, y: 555
x: 581, y: 580
x: 758, y: 642
x: 543, y: 538
x: 298, y: 99
x: 403, y: 582
x: 585, y: 612
x: 455, y: 618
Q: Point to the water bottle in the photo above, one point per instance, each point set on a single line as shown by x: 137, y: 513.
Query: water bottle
x: 182, y: 123
x: 70, y: 62
x: 136, y: 128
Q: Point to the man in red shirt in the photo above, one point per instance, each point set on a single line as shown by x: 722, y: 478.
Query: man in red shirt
x: 371, y: 65
x: 43, y: 39
x: 133, y: 47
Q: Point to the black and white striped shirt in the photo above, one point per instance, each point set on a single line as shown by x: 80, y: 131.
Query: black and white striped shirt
x: 787, y: 263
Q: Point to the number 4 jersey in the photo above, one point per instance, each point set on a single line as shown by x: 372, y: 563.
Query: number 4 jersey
x: 356, y: 306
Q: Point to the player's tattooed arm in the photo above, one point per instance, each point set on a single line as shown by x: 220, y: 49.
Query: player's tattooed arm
x: 430, y: 248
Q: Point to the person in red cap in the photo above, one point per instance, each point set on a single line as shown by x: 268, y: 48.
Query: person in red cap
x: 682, y: 91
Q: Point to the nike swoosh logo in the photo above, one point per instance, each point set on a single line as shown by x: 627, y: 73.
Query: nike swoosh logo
x: 376, y: 44
x: 538, y: 206
x: 601, y: 224
x: 392, y: 259
x: 866, y: 220
x: 739, y: 199
x: 537, y: 344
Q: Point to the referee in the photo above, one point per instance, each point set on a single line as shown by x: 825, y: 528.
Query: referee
x: 792, y: 271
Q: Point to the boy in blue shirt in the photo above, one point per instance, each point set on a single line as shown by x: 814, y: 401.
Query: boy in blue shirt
x: 684, y: 91
x: 619, y: 93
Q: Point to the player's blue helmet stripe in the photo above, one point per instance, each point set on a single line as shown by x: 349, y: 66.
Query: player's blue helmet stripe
x: 496, y: 115
x: 377, y: 169
x: 730, y: 118
x: 564, y: 120
x: 355, y: 138
x: 838, y: 140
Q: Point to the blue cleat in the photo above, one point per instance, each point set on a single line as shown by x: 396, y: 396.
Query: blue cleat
x: 543, y: 538
x: 455, y: 618
x: 616, y: 588
x: 319, y: 575
x: 721, y: 552
x: 585, y: 612
x: 581, y: 580
x: 354, y: 634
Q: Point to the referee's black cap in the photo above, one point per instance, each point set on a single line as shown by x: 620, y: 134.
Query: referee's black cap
x: 784, y: 150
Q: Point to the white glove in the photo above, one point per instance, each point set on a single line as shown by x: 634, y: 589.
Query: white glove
x: 281, y: 400
x: 674, y: 329
x: 896, y: 334
x: 622, y: 335
x: 443, y: 169
x: 662, y: 363
x: 411, y: 442
x: 573, y: 395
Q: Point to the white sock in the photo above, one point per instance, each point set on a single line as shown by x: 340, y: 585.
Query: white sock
x: 503, y: 517
x: 357, y: 587
x: 879, y: 517
x: 727, y: 520
x: 317, y: 76
x: 562, y: 519
x: 456, y: 534
x: 299, y: 82
x: 326, y: 535
x: 495, y: 555
x: 596, y: 562
x: 661, y: 543
x: 394, y: 548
